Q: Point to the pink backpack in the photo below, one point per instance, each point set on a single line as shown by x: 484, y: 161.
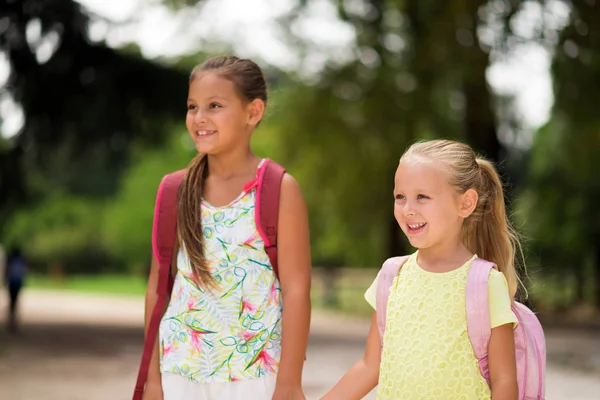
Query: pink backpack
x: 268, y: 185
x: 530, y: 344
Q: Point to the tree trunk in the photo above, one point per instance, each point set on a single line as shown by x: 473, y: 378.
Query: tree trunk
x: 395, y: 247
x: 580, y: 284
x: 596, y: 269
x: 480, y: 122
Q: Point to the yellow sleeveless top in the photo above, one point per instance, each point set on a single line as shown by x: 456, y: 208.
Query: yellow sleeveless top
x: 427, y: 353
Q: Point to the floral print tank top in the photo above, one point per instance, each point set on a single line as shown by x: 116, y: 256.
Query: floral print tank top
x: 232, y: 332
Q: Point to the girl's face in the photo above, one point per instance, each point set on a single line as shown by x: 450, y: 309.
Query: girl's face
x: 428, y: 209
x: 218, y: 119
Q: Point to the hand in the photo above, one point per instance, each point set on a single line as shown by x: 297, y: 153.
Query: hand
x: 153, y: 391
x: 288, y: 393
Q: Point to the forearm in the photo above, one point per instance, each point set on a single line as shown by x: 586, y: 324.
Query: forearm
x: 154, y: 375
x: 295, y: 328
x: 154, y: 367
x: 505, y: 389
x: 357, y: 382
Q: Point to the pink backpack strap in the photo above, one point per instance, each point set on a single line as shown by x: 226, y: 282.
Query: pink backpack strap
x: 163, y: 240
x: 385, y: 279
x: 479, y: 325
x: 267, y: 207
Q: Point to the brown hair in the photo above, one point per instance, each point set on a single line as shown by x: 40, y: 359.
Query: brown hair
x: 487, y: 232
x: 250, y: 84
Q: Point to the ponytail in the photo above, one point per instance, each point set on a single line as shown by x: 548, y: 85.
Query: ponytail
x: 189, y: 219
x: 488, y: 232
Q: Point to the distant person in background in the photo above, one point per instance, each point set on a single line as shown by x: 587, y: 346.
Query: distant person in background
x: 2, y: 260
x: 14, y: 278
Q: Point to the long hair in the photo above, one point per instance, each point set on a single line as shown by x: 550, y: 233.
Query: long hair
x: 487, y: 232
x: 250, y: 84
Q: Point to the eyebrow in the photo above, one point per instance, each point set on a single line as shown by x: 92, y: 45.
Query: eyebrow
x: 216, y: 96
x: 419, y: 191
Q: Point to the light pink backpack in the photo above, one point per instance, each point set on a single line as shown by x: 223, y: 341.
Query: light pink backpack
x: 530, y: 344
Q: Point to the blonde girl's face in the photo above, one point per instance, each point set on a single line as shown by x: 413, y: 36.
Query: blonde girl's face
x: 428, y: 209
x: 217, y: 117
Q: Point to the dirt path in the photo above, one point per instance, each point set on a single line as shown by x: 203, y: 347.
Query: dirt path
x: 67, y: 352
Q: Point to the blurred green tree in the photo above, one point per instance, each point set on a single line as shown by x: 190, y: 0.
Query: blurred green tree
x: 83, y: 102
x: 560, y: 199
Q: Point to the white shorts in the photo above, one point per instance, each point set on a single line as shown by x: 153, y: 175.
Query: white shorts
x: 176, y: 387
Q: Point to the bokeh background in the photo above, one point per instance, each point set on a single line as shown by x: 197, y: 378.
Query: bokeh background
x: 92, y: 108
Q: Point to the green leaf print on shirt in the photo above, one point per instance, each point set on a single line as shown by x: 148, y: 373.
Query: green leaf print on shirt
x: 263, y: 357
x: 232, y: 291
x: 244, y: 213
x: 231, y: 332
x: 225, y: 249
x: 208, y: 233
x: 218, y: 216
x: 192, y: 281
x: 198, y: 329
x: 208, y: 364
x: 267, y: 266
x: 219, y: 317
x: 225, y: 362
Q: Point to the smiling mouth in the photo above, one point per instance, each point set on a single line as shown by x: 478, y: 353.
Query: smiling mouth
x: 416, y: 228
x: 205, y: 133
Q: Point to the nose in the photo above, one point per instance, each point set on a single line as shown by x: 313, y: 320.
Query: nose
x: 199, y: 117
x: 408, y: 209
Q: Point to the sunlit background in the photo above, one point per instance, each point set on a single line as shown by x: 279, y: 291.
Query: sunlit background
x: 92, y: 108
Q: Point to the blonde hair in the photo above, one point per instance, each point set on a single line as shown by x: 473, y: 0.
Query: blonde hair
x: 487, y: 232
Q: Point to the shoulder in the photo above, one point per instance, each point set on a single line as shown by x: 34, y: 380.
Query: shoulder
x: 499, y: 300
x: 171, y: 178
x: 497, y: 279
x: 291, y: 203
x: 290, y: 185
x: 291, y: 194
x: 175, y: 174
x: 395, y: 261
x: 391, y: 266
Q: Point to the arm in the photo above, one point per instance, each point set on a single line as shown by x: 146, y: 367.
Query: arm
x: 293, y: 249
x: 502, y: 363
x: 364, y: 375
x: 154, y: 375
x: 151, y: 298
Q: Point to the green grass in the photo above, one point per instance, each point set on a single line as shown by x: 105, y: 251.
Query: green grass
x: 108, y: 284
x: 351, y: 287
x: 548, y: 295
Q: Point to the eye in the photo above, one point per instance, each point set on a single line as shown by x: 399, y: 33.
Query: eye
x: 191, y: 107
x: 399, y: 197
x: 215, y: 105
x: 421, y: 197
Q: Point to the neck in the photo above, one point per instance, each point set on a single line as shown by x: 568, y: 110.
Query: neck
x: 232, y: 164
x: 445, y: 256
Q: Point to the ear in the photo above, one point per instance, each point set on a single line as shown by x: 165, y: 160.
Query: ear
x: 468, y: 203
x: 256, y: 110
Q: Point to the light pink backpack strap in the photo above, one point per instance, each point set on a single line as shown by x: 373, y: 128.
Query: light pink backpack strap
x: 385, y: 279
x: 479, y: 325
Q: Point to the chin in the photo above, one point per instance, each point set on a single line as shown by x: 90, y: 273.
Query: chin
x: 204, y: 150
x: 418, y: 244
